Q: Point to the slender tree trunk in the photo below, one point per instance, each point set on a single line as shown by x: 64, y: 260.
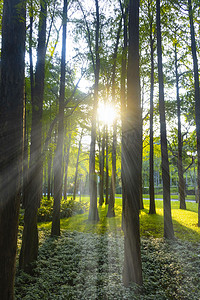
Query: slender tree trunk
x: 49, y: 163
x: 152, y: 208
x: 107, y: 167
x: 49, y: 177
x: 29, y: 249
x: 93, y: 211
x: 168, y: 226
x: 141, y: 153
x: 102, y: 158
x: 132, y: 256
x: 123, y: 102
x: 111, y: 211
x: 11, y: 135
x: 66, y: 166
x: 181, y: 183
x: 45, y: 181
x: 25, y: 160
x: 77, y: 163
x: 58, y: 174
x: 111, y: 203
x: 197, y: 98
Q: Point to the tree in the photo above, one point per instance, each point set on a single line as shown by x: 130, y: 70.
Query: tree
x: 132, y: 256
x: 93, y: 212
x: 168, y: 226
x: 123, y: 99
x: 181, y: 184
x: 66, y: 161
x: 58, y: 159
x: 152, y: 209
x: 111, y: 212
x: 77, y: 163
x: 197, y: 98
x: 29, y: 249
x: 11, y: 138
x: 101, y: 167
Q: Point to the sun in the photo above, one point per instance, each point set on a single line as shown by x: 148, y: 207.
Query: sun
x: 106, y: 113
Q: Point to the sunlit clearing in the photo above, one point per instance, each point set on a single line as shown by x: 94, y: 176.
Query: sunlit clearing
x: 106, y: 113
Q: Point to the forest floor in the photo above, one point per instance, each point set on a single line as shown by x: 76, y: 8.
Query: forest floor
x: 86, y: 261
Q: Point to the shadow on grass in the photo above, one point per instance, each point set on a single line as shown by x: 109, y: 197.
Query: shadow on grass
x: 185, y: 222
x: 153, y: 225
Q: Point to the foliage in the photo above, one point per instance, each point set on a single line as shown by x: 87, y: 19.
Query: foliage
x: 89, y: 266
x: 68, y: 208
x: 86, y: 261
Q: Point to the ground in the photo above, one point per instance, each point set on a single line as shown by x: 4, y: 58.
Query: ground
x: 88, y: 263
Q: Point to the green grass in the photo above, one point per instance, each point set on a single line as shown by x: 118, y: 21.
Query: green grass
x: 184, y: 221
x: 188, y: 197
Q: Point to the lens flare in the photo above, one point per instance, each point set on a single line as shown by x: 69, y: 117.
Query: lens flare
x: 106, y: 113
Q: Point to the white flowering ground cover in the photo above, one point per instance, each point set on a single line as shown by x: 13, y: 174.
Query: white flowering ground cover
x: 80, y: 265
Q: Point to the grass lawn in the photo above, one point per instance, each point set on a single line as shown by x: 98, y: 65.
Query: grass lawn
x: 184, y: 221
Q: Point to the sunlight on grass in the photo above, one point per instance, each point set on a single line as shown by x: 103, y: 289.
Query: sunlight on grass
x: 184, y: 221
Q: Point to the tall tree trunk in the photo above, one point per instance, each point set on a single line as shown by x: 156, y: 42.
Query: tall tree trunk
x: 93, y: 212
x: 29, y: 249
x: 25, y: 159
x: 77, y: 163
x: 111, y: 211
x: 102, y: 158
x: 49, y: 163
x: 123, y: 102
x: 111, y: 203
x: 45, y: 181
x: 11, y: 135
x: 132, y: 255
x: 181, y: 182
x: 49, y: 177
x: 141, y: 153
x: 168, y: 226
x: 152, y: 208
x: 58, y: 174
x: 66, y: 166
x: 197, y: 98
x: 107, y: 167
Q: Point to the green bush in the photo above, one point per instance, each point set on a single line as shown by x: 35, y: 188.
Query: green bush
x: 68, y: 208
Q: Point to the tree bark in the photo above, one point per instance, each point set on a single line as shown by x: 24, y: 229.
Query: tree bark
x: 132, y: 255
x: 123, y: 102
x: 107, y: 167
x: 111, y: 204
x: 77, y: 163
x: 168, y: 226
x: 29, y: 249
x: 11, y: 136
x: 58, y: 160
x: 101, y: 165
x: 181, y: 183
x: 93, y: 211
x: 49, y: 177
x: 25, y: 158
x: 197, y: 98
x: 66, y: 166
x: 152, y: 208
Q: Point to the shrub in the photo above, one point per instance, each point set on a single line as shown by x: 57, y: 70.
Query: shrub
x: 67, y: 209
